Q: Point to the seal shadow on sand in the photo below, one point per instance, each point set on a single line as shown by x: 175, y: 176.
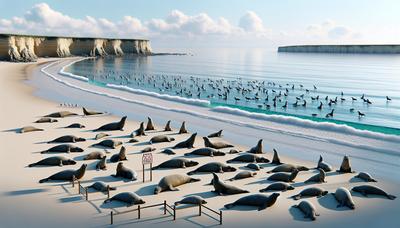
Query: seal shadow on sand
x: 26, y: 192
x: 298, y: 215
x: 147, y: 190
x: 205, y: 195
x: 329, y: 202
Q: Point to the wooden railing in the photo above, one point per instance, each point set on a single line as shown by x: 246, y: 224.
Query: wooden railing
x: 216, y: 212
x: 84, y: 190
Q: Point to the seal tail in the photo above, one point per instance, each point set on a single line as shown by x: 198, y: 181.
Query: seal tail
x: 391, y: 197
x: 229, y: 205
x: 44, y: 180
x: 107, y: 200
x: 32, y: 165
x: 296, y: 197
x: 190, y: 173
x: 187, y: 154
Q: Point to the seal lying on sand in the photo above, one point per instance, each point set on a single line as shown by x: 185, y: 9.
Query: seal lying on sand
x: 258, y: 149
x: 213, y: 167
x: 101, y: 135
x: 177, y: 163
x: 216, y: 134
x: 253, y: 166
x: 46, y: 120
x: 288, y: 168
x: 101, y: 187
x: 63, y: 148
x: 188, y: 143
x: 109, y: 143
x: 278, y: 186
x: 276, y: 160
x: 116, y: 126
x: 130, y: 198
x: 345, y: 167
x: 168, y: 151
x: 95, y: 155
x: 28, y: 129
x: 53, y: 161
x: 124, y: 172
x: 67, y: 139
x: 248, y: 158
x: 168, y: 126
x: 75, y: 125
x: 206, y: 152
x: 121, y: 156
x: 183, y: 130
x: 90, y: 113
x: 161, y: 138
x: 67, y: 175
x: 366, y: 190
x: 148, y: 149
x: 318, y: 178
x: 196, y: 200
x: 323, y: 165
x: 285, y: 177
x: 102, y: 164
x: 225, y: 189
x: 61, y: 114
x: 308, y: 209
x: 216, y: 145
x: 149, y: 126
x: 310, y: 192
x: 170, y: 182
x: 139, y: 131
x: 366, y: 177
x: 258, y: 200
x: 343, y: 196
x: 243, y: 175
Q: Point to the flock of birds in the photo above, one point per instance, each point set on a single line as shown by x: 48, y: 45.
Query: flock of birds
x: 281, y: 179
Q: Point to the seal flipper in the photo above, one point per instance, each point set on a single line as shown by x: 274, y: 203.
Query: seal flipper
x: 229, y: 205
x: 262, y: 207
x: 44, y: 180
x: 172, y: 188
x: 391, y: 197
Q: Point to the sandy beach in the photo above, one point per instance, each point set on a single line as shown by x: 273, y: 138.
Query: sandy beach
x: 32, y: 90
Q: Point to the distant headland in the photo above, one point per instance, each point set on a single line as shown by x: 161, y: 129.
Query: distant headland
x: 355, y: 49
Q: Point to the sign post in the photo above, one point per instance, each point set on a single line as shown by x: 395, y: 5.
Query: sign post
x: 147, y: 158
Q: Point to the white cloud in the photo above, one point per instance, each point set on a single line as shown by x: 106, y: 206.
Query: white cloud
x: 251, y: 22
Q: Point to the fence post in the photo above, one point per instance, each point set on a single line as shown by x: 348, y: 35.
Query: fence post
x: 79, y: 187
x: 220, y: 217
x: 165, y: 207
x: 143, y: 173
x: 138, y: 211
x: 174, y: 212
x: 200, y: 209
x: 112, y: 217
x: 151, y: 171
x: 87, y: 194
x: 73, y: 181
x: 108, y: 191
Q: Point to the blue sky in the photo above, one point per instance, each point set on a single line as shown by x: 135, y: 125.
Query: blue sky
x: 224, y: 22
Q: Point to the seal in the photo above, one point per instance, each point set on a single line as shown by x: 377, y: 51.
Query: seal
x: 75, y: 125
x: 234, y: 151
x: 53, y: 161
x: 101, y: 135
x: 170, y: 182
x: 168, y: 126
x: 256, y: 200
x: 225, y: 189
x: 188, y: 143
x: 67, y: 139
x: 310, y: 192
x: 183, y: 130
x: 116, y: 126
x: 177, y: 163
x: 108, y: 143
x: 124, y: 172
x: 323, y: 165
x: 121, y: 156
x: 278, y: 186
x: 161, y: 138
x: 195, y: 200
x: 168, y: 151
x: 343, y: 197
x: 206, y: 152
x: 95, y: 155
x: 61, y: 114
x: 139, y: 131
x: 63, y: 148
x: 130, y: 198
x: 102, y: 164
x: 345, y: 167
x: 101, y: 187
x: 215, y: 145
x: 276, y: 160
x: 366, y: 190
x: 366, y: 177
x: 149, y: 126
x: 253, y: 166
x: 67, y: 175
x: 46, y: 120
x: 248, y: 158
x: 308, y: 209
x: 288, y: 168
x: 243, y: 175
x: 216, y: 134
x: 133, y: 140
x: 148, y: 149
x: 29, y: 129
x: 258, y: 149
x: 90, y: 113
x: 285, y: 177
x: 318, y: 178
x: 213, y: 167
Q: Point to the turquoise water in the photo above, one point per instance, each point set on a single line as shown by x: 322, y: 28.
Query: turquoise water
x: 251, y: 79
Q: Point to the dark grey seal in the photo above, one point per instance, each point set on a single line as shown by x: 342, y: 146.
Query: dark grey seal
x: 258, y: 149
x: 288, y: 168
x: 248, y: 158
x: 101, y: 135
x: 225, y: 189
x: 130, y: 198
x: 161, y: 138
x: 345, y: 167
x: 168, y: 151
x: 95, y: 155
x: 323, y: 165
x: 168, y: 126
x: 109, y: 143
x: 102, y: 164
x: 139, y: 131
x: 366, y: 190
x: 177, y: 163
x: 257, y: 200
x: 317, y: 178
x: 46, y: 120
x: 75, y: 125
x: 188, y: 143
x: 121, y: 156
x: 63, y: 148
x: 275, y: 159
x: 67, y: 139
x: 278, y: 186
x: 216, y: 145
x: 366, y: 177
x: 206, y: 151
x: 61, y: 114
x: 53, y: 161
x: 216, y: 134
x: 90, y: 113
x: 149, y: 126
x: 182, y: 129
x: 213, y: 167
x: 67, y: 175
x: 343, y: 197
x: 310, y: 192
x: 170, y: 182
x: 101, y: 186
x: 308, y: 209
x: 253, y: 166
x: 116, y: 126
x: 196, y: 200
x: 285, y: 177
x: 125, y: 173
x: 243, y: 175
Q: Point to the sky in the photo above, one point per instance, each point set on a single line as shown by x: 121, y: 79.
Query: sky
x: 210, y: 23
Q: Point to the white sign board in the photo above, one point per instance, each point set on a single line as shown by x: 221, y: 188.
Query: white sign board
x: 147, y: 158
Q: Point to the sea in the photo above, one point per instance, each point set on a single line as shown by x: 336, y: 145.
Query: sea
x: 362, y: 89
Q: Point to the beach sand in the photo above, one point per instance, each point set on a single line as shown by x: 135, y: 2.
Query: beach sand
x: 25, y: 202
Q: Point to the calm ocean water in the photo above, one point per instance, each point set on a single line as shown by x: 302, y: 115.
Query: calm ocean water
x: 254, y: 80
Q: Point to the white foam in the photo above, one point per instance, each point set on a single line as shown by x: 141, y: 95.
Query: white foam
x: 189, y: 101
x: 68, y: 74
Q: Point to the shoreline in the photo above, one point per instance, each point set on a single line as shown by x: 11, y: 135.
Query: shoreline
x: 298, y: 148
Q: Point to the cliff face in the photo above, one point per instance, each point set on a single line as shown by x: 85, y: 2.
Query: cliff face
x: 29, y: 48
x: 357, y: 49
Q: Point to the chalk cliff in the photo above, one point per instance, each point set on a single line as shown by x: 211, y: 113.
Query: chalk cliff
x: 358, y: 49
x: 29, y: 48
